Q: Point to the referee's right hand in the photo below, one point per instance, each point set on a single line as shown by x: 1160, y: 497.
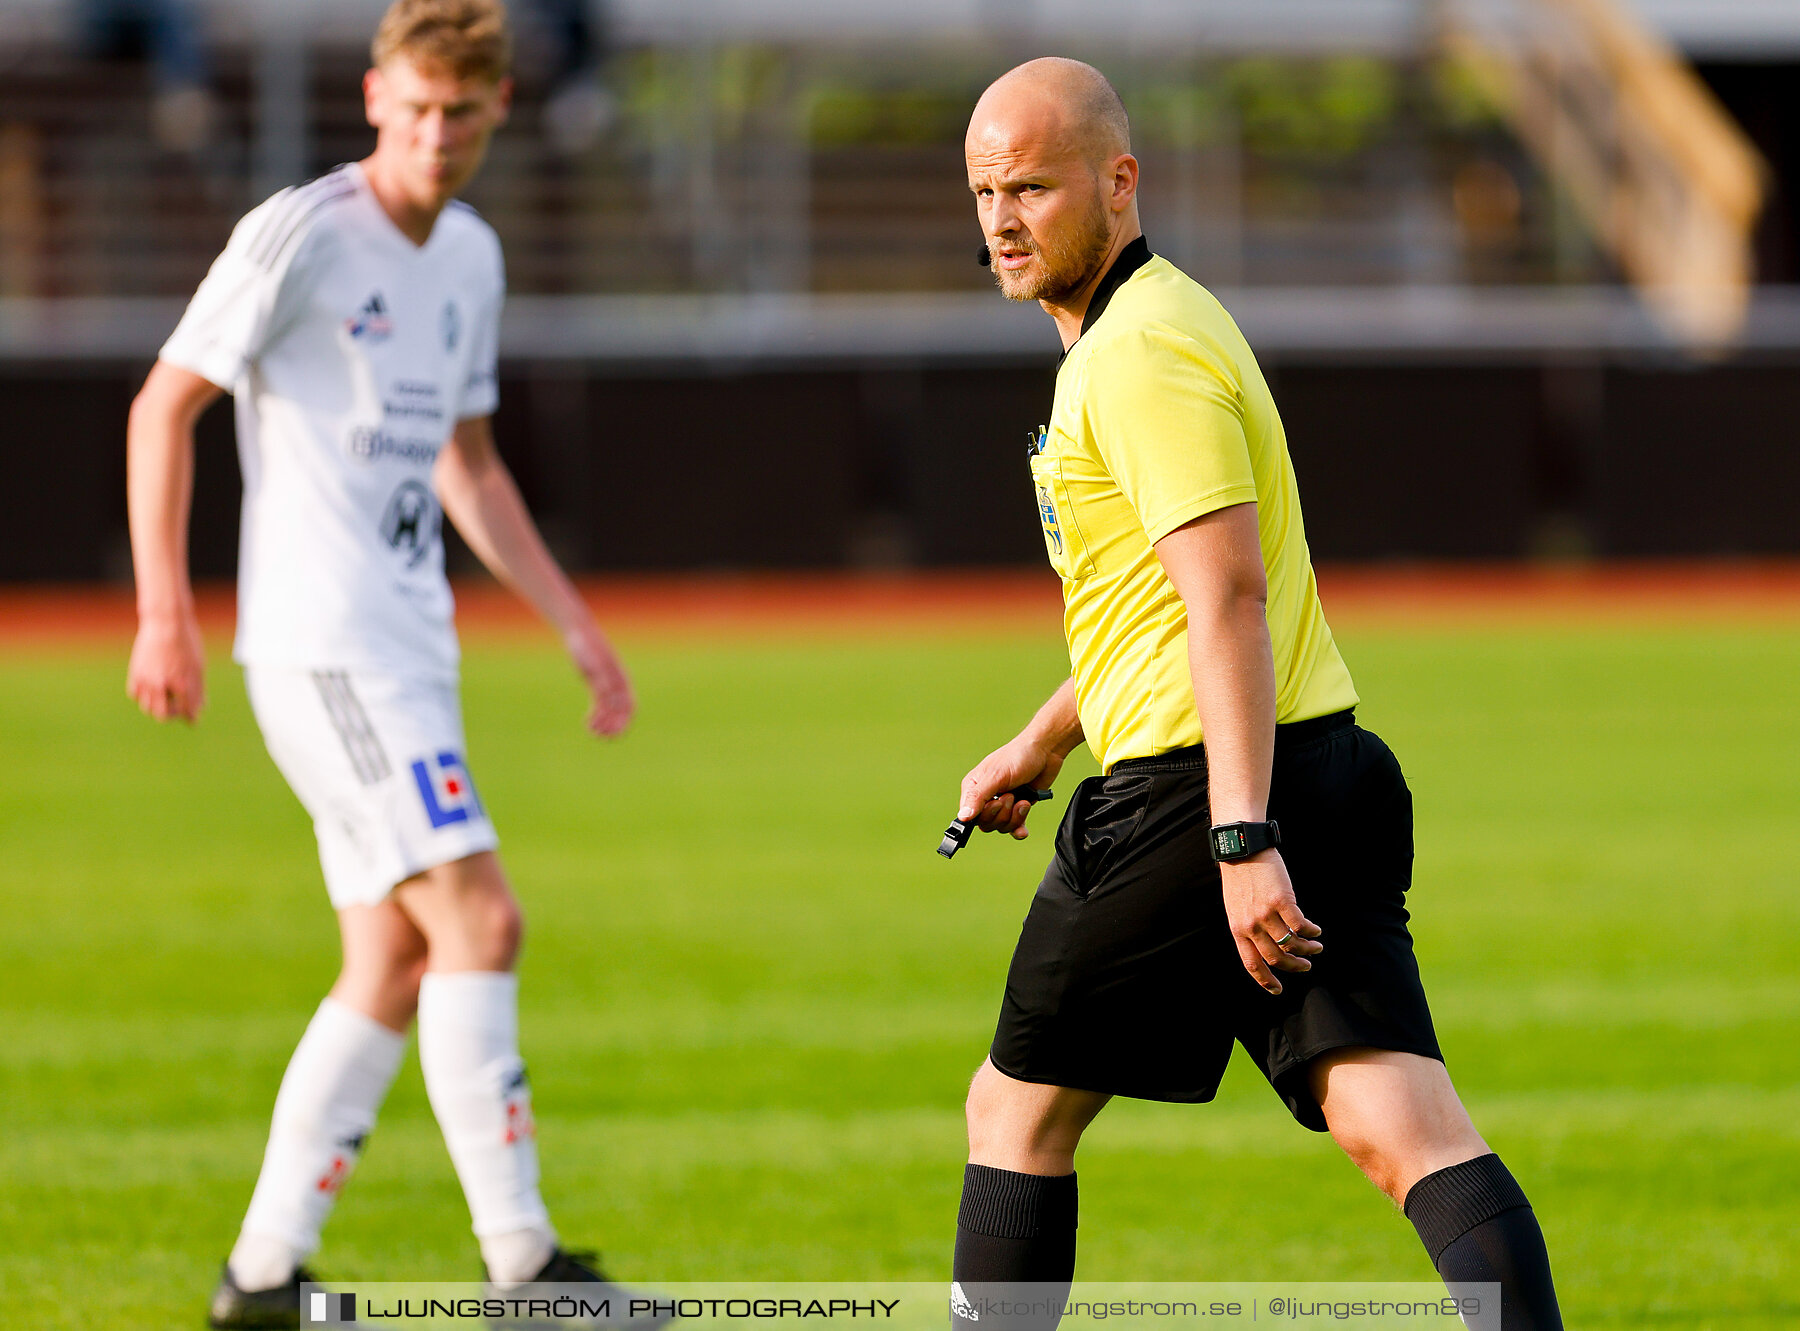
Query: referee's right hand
x: 985, y: 800
x: 167, y: 674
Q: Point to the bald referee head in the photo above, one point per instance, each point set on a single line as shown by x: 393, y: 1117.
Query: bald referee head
x: 1055, y: 184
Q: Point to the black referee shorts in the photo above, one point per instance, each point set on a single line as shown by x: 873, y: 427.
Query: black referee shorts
x: 1126, y: 979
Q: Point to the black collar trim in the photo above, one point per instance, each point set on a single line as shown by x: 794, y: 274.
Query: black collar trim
x: 1133, y: 257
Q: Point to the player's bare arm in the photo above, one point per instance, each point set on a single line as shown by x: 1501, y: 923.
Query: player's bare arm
x: 481, y: 499
x: 1215, y: 562
x: 1033, y: 757
x: 167, y: 674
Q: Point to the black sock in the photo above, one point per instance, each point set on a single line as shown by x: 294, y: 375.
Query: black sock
x: 1012, y: 1230
x: 1476, y: 1224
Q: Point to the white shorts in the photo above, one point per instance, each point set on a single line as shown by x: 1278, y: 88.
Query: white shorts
x: 378, y: 762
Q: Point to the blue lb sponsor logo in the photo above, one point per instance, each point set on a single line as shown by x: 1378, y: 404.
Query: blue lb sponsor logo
x: 446, y: 789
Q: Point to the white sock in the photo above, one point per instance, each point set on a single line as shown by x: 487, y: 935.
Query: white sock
x: 469, y: 1052
x: 512, y: 1259
x: 259, y: 1261
x: 334, y: 1084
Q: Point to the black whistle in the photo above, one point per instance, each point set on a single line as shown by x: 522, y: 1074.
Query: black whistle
x: 956, y: 836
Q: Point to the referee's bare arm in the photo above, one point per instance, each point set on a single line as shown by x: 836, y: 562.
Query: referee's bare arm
x: 479, y: 496
x: 1034, y: 757
x: 1216, y: 565
x: 167, y: 674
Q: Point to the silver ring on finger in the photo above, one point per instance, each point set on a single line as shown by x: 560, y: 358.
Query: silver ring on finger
x: 1283, y: 940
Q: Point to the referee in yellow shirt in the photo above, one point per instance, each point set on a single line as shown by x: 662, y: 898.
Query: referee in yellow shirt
x: 1240, y: 871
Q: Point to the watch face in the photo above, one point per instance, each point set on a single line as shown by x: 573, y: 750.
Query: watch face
x: 1230, y: 841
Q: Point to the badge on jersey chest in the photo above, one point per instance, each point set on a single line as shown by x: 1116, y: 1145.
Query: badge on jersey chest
x: 1047, y: 515
x: 445, y: 788
x: 410, y: 522
x: 1035, y: 443
x: 372, y: 323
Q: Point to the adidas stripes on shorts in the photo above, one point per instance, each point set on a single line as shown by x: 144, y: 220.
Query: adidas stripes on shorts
x: 378, y: 761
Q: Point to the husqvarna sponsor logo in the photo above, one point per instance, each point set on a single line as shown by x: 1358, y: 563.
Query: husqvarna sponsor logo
x: 370, y: 443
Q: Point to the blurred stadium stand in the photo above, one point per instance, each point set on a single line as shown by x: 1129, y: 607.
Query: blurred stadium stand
x: 740, y: 228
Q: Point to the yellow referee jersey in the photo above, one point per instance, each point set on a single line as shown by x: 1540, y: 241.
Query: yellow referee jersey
x: 1161, y: 416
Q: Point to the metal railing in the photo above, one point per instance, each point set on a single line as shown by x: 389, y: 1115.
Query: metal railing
x: 763, y: 169
x: 735, y: 171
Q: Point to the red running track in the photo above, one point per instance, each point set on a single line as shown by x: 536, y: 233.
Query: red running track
x: 978, y: 600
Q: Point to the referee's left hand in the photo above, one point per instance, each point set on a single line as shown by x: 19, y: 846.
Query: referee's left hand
x: 614, y: 702
x: 1261, y: 908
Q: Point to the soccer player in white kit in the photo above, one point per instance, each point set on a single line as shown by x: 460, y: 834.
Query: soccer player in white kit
x: 355, y: 319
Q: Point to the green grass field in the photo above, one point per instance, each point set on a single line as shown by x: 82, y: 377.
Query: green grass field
x: 753, y: 996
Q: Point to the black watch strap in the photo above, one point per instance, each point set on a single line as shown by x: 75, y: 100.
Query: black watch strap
x: 1239, y: 841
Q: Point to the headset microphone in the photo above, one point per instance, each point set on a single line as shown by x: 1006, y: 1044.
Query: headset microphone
x: 982, y: 256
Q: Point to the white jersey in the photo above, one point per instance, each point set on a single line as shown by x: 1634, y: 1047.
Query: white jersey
x: 352, y: 353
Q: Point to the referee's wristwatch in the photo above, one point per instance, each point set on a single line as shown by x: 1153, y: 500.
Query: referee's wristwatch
x: 1239, y: 841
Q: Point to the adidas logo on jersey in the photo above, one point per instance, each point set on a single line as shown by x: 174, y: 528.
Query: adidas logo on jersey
x: 371, y: 322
